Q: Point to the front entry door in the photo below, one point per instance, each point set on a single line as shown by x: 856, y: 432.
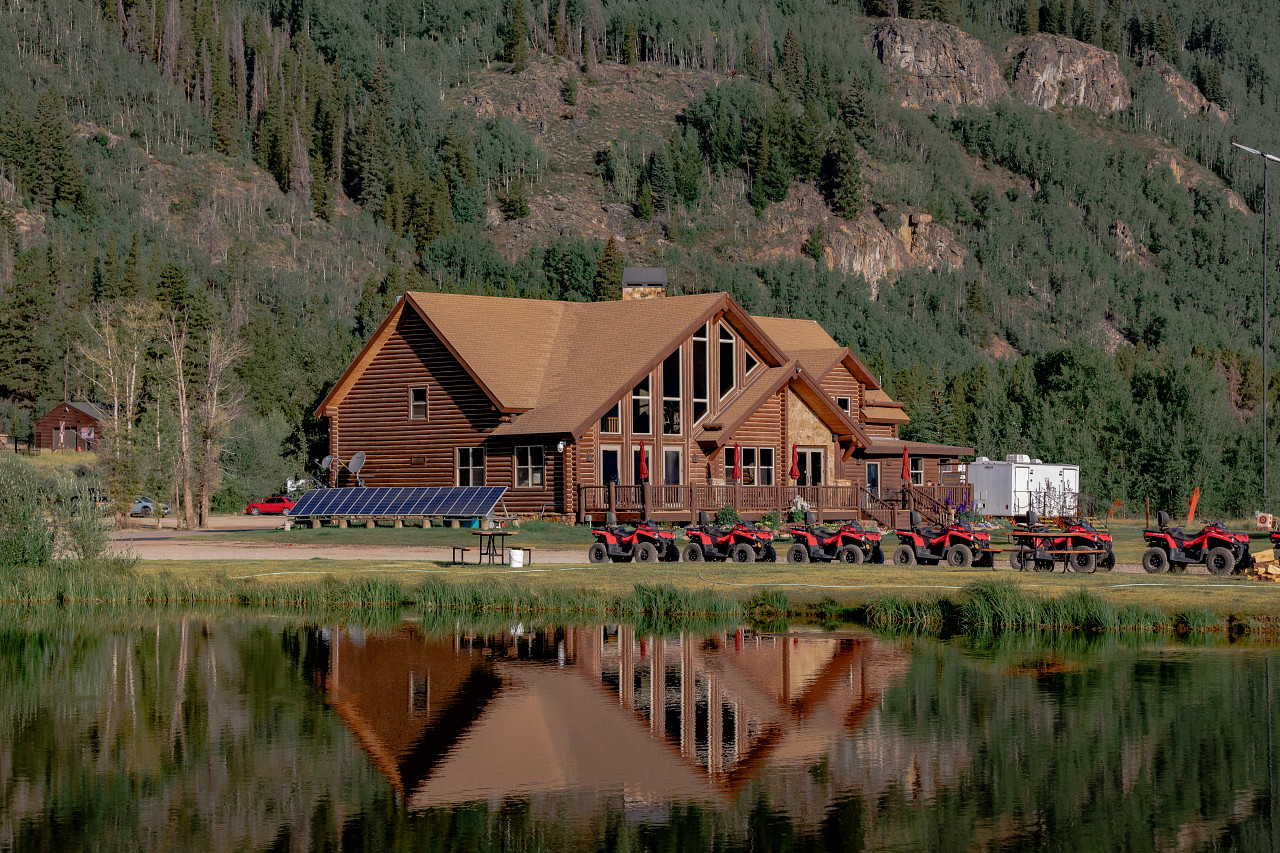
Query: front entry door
x: 810, y: 468
x: 873, y: 478
x: 609, y: 465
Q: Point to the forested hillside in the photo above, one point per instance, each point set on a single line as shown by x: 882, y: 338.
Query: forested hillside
x: 240, y: 188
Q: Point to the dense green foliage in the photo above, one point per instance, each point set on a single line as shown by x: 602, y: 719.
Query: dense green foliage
x: 1129, y: 302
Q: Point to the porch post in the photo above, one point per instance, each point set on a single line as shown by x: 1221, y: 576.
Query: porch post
x: 644, y: 501
x: 613, y: 497
x: 821, y: 502
x: 581, y: 512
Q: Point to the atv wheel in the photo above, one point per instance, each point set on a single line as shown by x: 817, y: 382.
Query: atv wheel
x: 1087, y: 563
x: 904, y: 555
x: 1220, y: 561
x: 1155, y: 561
x: 1107, y: 563
x: 646, y: 553
x: 768, y: 554
x: 850, y: 554
x: 959, y: 556
x: 743, y: 553
x: 797, y: 553
x: 877, y: 556
x: 692, y: 553
x: 597, y: 553
x: 1018, y: 559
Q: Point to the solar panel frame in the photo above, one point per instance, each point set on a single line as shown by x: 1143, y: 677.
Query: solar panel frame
x: 400, y: 502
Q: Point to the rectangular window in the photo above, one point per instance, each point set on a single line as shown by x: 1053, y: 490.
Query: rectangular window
x: 917, y: 472
x: 611, y: 423
x: 727, y: 350
x: 873, y: 478
x: 766, y: 467
x: 470, y: 466
x: 671, y: 369
x: 636, y: 479
x: 641, y: 402
x: 610, y: 466
x: 810, y: 468
x: 529, y: 467
x: 671, y: 467
x: 843, y: 403
x: 748, y: 466
x: 418, y: 404
x: 700, y: 367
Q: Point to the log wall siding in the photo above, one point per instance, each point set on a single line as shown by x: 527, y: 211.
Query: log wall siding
x: 891, y: 471
x: 881, y: 430
x: 46, y: 428
x: 374, y: 416
x: 841, y: 383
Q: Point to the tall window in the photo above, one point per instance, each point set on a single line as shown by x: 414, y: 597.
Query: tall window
x: 700, y: 374
x: 529, y: 467
x: 611, y: 423
x: 757, y: 466
x: 470, y: 466
x: 873, y: 478
x: 726, y: 361
x: 641, y: 404
x: 418, y: 404
x: 917, y: 471
x: 671, y: 369
x: 671, y: 466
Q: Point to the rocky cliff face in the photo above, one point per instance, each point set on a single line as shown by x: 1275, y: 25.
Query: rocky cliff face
x: 1056, y: 71
x: 934, y: 63
x: 1183, y: 91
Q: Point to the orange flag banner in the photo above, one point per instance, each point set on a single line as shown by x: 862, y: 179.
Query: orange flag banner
x: 1191, y: 513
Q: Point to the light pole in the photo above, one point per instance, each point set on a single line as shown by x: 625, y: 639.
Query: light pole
x: 1266, y: 160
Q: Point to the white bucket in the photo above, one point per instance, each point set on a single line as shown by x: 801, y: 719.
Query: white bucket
x: 517, y: 559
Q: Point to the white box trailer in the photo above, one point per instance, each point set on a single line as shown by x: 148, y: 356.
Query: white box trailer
x: 1020, y: 483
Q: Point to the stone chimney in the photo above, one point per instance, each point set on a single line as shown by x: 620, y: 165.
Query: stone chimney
x: 644, y: 282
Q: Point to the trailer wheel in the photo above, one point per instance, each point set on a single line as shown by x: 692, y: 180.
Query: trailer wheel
x: 1087, y: 563
x: 851, y: 554
x: 743, y: 553
x: 692, y: 553
x: 797, y: 553
x: 1220, y: 561
x: 959, y: 556
x: 904, y: 555
x: 646, y: 553
x: 597, y: 553
x: 1155, y: 561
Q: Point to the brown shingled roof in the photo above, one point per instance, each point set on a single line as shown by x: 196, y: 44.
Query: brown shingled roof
x: 807, y: 342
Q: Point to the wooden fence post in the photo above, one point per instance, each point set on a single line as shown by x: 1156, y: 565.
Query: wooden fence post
x: 821, y: 502
x: 612, y: 498
x: 644, y: 500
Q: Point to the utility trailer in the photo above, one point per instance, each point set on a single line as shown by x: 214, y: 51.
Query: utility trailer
x: 1019, y: 484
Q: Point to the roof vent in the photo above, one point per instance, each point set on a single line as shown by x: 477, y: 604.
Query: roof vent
x: 1018, y: 457
x: 644, y: 282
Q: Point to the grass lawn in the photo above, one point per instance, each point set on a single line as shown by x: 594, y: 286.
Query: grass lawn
x: 535, y: 534
x: 848, y: 585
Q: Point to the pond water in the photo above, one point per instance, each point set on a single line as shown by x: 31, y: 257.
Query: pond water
x: 260, y: 734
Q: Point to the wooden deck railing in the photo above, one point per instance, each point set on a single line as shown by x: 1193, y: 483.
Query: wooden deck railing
x: 672, y: 503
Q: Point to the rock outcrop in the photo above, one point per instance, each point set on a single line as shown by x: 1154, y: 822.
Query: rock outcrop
x: 1182, y: 90
x: 1056, y: 71
x: 934, y: 63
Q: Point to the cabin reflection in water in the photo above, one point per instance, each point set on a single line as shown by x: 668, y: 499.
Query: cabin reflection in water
x: 601, y: 710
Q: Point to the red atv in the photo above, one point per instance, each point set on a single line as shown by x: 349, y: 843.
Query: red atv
x: 742, y: 542
x: 1221, y: 551
x: 959, y: 544
x: 1275, y: 543
x: 848, y: 543
x: 644, y: 543
x: 1081, y: 547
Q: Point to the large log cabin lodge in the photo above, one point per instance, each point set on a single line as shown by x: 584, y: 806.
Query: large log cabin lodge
x: 567, y: 403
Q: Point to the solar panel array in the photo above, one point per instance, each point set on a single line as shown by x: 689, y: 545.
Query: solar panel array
x: 409, y: 501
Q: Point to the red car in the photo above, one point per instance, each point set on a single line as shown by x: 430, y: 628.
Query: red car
x: 274, y: 505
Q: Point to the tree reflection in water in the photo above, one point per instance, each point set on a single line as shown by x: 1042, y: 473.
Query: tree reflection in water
x: 246, y: 735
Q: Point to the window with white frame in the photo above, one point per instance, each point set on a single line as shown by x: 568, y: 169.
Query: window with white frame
x: 917, y: 471
x: 671, y: 371
x: 750, y: 361
x: 701, y: 367
x: 611, y: 422
x: 529, y: 461
x: 671, y: 466
x: 470, y: 466
x: 765, y: 476
x: 418, y: 404
x: 642, y: 407
x: 728, y: 346
x: 843, y: 403
x: 757, y: 466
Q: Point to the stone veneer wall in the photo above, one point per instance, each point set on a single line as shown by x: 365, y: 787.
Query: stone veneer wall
x: 806, y: 430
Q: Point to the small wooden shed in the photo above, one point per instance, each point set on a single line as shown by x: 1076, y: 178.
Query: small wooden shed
x: 75, y: 426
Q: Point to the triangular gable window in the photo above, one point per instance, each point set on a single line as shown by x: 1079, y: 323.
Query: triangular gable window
x: 752, y: 361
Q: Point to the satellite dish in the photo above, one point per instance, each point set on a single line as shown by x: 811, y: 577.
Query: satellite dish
x: 356, y: 463
x: 326, y: 462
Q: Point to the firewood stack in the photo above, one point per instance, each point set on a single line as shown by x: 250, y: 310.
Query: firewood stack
x: 1265, y: 566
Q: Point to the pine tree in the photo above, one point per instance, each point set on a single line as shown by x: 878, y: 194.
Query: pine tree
x: 570, y: 90
x: 173, y: 289
x: 1109, y: 28
x: 644, y: 198
x: 516, y: 202
x: 1031, y: 17
x: 59, y: 175
x: 792, y: 63
x: 661, y: 180
x: 226, y: 120
x: 844, y: 178
x: 516, y: 37
x: 855, y: 113
x: 630, y: 54
x: 608, y: 279
x: 131, y: 281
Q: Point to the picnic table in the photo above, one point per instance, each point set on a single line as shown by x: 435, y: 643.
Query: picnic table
x: 493, y: 543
